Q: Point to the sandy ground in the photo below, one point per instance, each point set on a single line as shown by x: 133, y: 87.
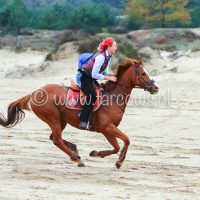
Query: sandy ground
x: 163, y: 160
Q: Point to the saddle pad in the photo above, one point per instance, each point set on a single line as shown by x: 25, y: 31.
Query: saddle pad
x: 73, y: 100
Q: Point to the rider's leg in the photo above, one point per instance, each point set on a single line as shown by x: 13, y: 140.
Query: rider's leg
x: 86, y: 86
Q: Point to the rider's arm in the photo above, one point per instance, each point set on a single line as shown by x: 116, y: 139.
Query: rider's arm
x: 99, y: 60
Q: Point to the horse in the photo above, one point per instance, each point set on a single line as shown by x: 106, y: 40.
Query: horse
x: 105, y: 120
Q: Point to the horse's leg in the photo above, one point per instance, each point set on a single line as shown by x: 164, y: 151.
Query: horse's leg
x: 58, y: 141
x: 70, y: 145
x: 113, y: 141
x: 50, y: 114
x: 114, y: 131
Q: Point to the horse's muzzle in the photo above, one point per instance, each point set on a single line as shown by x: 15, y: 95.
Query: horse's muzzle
x: 152, y: 87
x: 154, y: 91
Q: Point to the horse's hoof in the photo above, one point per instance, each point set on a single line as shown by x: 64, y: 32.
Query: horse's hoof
x: 93, y: 153
x: 118, y: 165
x: 81, y: 165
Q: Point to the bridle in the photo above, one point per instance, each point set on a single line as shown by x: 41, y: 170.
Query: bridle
x: 148, y: 85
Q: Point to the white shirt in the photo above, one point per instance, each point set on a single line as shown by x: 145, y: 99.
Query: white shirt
x: 99, y: 60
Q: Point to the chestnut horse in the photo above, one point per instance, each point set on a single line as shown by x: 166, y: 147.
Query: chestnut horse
x: 105, y: 120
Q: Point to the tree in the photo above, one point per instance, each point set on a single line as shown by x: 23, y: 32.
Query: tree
x: 4, y: 12
x: 46, y: 18
x: 18, y: 15
x: 194, y: 5
x: 158, y: 13
x: 92, y: 17
x: 118, y: 4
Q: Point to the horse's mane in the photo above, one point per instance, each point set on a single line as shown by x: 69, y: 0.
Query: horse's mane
x: 118, y: 72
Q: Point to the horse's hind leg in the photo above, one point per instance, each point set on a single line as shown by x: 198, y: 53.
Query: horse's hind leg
x: 58, y: 141
x: 52, y: 118
x: 68, y: 144
x: 113, y: 141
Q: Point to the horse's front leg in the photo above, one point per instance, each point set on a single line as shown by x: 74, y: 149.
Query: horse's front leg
x: 114, y: 131
x: 113, y: 141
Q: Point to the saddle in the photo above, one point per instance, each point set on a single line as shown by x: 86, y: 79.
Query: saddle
x: 76, y: 97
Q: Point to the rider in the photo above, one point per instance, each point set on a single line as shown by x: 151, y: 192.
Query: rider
x: 95, y: 69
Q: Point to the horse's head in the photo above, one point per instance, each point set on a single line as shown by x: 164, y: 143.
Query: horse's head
x: 133, y: 72
x: 143, y: 79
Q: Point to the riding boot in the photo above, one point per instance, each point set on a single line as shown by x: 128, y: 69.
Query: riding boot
x: 84, y: 121
x: 84, y: 125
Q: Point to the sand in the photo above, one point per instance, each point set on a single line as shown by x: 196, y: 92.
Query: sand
x: 163, y: 160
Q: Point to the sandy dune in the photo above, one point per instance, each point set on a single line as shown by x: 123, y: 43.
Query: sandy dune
x: 163, y: 160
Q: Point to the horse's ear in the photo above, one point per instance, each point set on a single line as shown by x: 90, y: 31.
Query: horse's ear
x: 130, y: 61
x: 135, y: 62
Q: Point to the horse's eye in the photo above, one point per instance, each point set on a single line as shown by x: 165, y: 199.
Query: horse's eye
x: 143, y: 74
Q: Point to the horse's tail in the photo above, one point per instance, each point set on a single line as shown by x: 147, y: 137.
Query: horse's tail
x: 15, y: 112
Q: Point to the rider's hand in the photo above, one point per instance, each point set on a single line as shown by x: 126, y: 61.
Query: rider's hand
x: 112, y: 78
